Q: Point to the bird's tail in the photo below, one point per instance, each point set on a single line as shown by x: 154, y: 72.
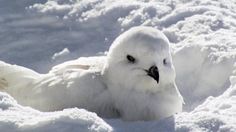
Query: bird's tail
x: 13, y: 76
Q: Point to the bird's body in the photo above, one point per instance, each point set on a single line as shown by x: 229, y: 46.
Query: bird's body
x: 135, y: 81
x: 76, y: 83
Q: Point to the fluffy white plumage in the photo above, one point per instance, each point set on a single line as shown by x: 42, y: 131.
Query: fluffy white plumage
x: 136, y: 81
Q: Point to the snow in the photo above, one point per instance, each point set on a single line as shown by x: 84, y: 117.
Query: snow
x: 17, y: 118
x: 61, y: 54
x: 202, y: 34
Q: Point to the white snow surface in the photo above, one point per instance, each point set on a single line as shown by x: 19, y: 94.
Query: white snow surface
x: 202, y: 36
x: 17, y: 118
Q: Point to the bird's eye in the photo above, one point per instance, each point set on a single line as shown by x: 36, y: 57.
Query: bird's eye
x: 165, y: 61
x: 130, y: 58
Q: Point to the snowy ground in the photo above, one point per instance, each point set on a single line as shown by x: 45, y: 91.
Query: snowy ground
x: 41, y: 33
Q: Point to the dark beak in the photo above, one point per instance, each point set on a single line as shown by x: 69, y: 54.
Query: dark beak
x: 154, y: 73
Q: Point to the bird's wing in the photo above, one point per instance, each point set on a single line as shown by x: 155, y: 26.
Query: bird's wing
x: 17, y: 77
x: 82, y: 63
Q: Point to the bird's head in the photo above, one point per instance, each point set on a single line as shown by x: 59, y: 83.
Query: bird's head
x: 140, y: 59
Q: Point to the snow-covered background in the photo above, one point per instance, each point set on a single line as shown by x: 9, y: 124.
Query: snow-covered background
x: 39, y: 34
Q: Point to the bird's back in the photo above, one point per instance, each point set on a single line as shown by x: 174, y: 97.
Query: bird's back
x: 74, y: 83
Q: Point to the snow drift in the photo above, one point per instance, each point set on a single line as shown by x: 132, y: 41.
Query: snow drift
x: 17, y: 118
x: 202, y: 34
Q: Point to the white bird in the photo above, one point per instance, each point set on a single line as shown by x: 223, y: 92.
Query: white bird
x: 135, y: 81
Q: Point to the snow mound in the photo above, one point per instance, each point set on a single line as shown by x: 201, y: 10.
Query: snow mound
x: 24, y: 119
x: 202, y: 71
x: 215, y: 114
